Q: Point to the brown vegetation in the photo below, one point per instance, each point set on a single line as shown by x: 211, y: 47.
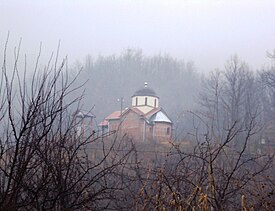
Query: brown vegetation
x: 46, y: 165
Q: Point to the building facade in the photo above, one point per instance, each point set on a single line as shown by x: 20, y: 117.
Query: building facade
x: 143, y: 121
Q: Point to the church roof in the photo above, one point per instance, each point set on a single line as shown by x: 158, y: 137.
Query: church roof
x: 152, y: 112
x: 160, y: 116
x: 114, y: 115
x: 153, y: 116
x: 136, y: 110
x: 145, y: 92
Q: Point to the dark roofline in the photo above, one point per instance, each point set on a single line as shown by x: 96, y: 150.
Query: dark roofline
x: 145, y: 92
x: 150, y: 95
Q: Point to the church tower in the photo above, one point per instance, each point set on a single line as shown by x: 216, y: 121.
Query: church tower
x: 145, y: 99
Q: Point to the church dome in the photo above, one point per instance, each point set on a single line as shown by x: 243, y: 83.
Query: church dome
x: 145, y: 92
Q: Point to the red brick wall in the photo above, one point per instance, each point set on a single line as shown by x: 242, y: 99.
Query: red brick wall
x: 160, y: 131
x: 132, y: 125
x: 113, y: 125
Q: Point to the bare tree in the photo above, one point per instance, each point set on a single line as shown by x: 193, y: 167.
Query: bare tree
x: 44, y: 163
x: 224, y: 167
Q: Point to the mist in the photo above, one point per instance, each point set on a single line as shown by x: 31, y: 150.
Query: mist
x: 137, y: 105
x: 206, y: 32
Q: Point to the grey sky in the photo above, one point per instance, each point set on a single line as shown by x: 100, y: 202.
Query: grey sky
x: 205, y: 31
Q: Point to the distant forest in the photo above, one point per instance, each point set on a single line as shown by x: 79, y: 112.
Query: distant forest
x: 108, y: 78
x: 180, y: 86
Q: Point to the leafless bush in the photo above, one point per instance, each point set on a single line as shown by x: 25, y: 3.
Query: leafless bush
x: 44, y: 164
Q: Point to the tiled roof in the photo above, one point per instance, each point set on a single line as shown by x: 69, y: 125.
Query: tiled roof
x: 152, y: 112
x: 155, y: 115
x: 137, y: 111
x: 114, y: 115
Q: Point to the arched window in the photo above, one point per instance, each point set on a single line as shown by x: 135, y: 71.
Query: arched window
x: 136, y: 101
x: 145, y: 100
x: 168, y: 131
x: 155, y: 103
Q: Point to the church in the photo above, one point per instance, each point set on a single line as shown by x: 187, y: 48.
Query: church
x: 143, y: 121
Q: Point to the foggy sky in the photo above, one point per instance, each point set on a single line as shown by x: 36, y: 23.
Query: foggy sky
x: 207, y: 32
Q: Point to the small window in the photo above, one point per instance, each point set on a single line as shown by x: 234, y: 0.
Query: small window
x: 145, y: 100
x: 155, y: 103
x: 168, y: 131
x: 136, y: 101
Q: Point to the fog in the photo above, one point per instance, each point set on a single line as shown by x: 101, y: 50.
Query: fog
x: 137, y: 105
x: 121, y: 44
x: 206, y: 32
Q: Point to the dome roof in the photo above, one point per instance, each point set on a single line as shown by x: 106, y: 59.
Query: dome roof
x: 145, y: 92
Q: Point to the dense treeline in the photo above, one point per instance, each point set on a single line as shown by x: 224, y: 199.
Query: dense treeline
x: 111, y: 77
x: 179, y: 85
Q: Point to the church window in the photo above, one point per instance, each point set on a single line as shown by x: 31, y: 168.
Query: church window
x: 136, y: 101
x: 155, y: 103
x: 168, y: 131
x: 145, y: 100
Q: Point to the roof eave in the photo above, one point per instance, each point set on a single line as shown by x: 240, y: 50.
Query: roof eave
x: 145, y: 96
